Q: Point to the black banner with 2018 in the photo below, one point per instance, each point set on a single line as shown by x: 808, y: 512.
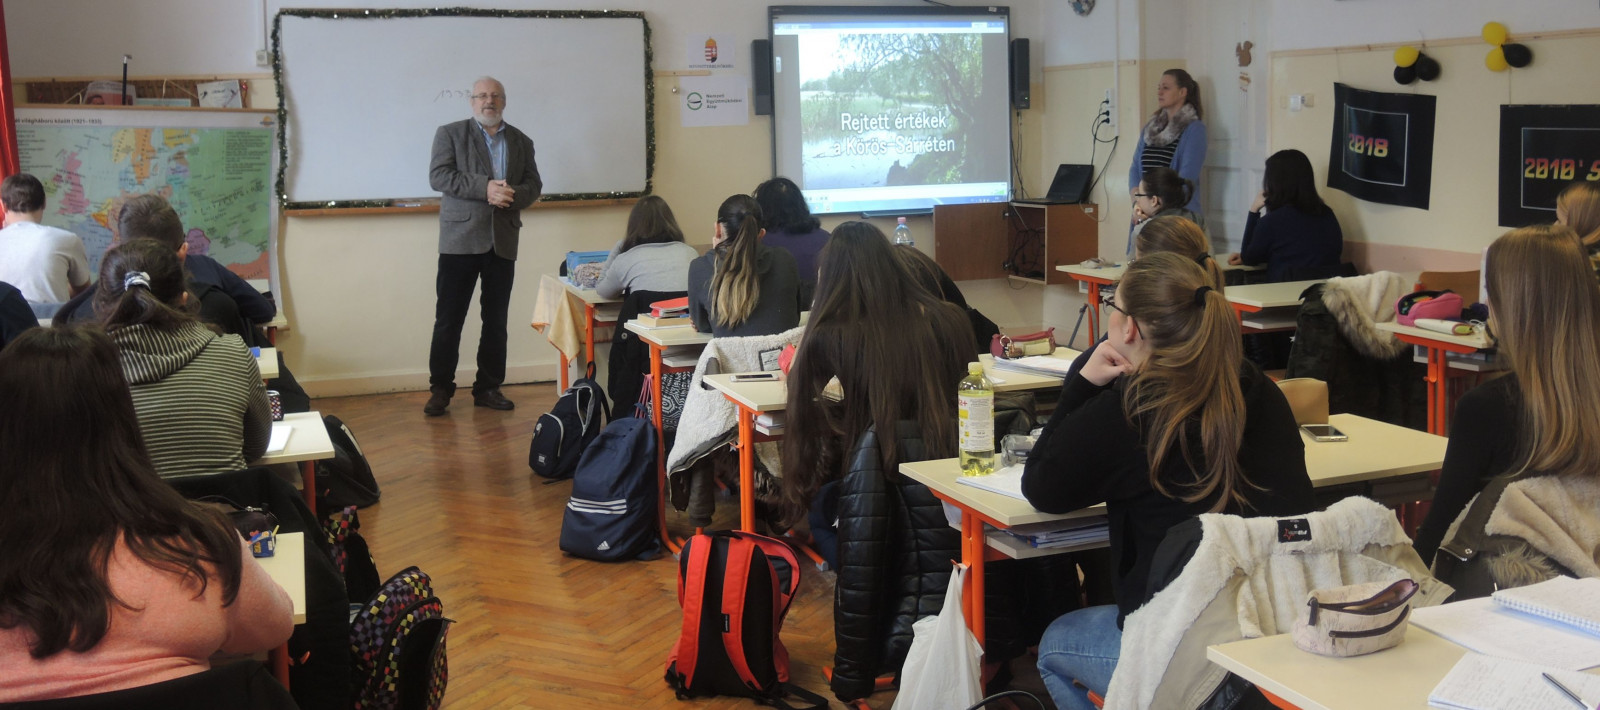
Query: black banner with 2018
x: 1543, y: 149
x: 1382, y: 146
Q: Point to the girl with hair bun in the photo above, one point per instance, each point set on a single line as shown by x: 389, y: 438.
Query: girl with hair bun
x: 1163, y: 192
x: 1181, y: 236
x: 743, y: 287
x: 1163, y: 422
x: 201, y: 404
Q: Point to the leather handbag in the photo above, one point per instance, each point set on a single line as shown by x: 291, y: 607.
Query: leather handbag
x: 1441, y: 305
x: 1010, y: 347
x: 1355, y: 620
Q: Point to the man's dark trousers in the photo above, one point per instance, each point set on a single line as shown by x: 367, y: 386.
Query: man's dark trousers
x: 458, y: 273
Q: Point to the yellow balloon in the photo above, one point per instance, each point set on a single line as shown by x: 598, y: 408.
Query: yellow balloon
x: 1406, y: 56
x: 1495, y: 33
x: 1496, y: 61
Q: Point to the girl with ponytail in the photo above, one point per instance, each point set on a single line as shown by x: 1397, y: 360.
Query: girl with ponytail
x: 1163, y: 422
x: 202, y: 407
x: 743, y: 287
x: 1183, y: 237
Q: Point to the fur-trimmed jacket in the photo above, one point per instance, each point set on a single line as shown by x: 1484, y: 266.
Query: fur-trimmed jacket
x: 1521, y: 531
x: 1369, y: 372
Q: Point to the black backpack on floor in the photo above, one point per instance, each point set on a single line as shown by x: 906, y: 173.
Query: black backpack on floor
x: 563, y: 432
x: 346, y: 479
x: 612, y: 513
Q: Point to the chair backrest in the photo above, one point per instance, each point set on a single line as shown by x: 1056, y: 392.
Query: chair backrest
x: 1464, y: 283
x: 242, y: 686
x: 1308, y: 398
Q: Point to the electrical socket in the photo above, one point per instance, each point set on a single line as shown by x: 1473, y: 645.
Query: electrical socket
x: 1111, y: 109
x: 263, y: 58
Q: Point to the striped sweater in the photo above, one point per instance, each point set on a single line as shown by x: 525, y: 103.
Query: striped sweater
x: 201, y: 404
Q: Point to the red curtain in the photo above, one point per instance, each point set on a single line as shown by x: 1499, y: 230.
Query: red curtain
x: 10, y: 162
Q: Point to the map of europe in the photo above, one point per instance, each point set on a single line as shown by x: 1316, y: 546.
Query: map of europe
x: 218, y: 179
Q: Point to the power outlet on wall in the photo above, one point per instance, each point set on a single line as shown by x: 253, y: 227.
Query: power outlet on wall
x: 1111, y: 108
x: 263, y: 58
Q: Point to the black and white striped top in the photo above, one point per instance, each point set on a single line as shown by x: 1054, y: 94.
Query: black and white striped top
x: 201, y: 404
x: 1158, y: 156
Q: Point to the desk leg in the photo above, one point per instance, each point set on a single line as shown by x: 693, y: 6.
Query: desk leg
x: 661, y: 446
x: 272, y: 336
x: 973, y: 546
x: 565, y: 365
x: 588, y: 332
x: 1438, y: 396
x: 278, y: 659
x: 747, y: 469
x: 308, y: 480
x: 1094, y: 314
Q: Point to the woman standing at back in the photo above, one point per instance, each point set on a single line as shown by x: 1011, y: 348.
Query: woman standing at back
x: 109, y: 580
x: 743, y: 287
x: 1175, y: 135
x: 1165, y: 421
x: 201, y: 403
x: 1299, y: 237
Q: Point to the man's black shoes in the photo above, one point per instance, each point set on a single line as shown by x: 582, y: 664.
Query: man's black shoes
x: 493, y: 400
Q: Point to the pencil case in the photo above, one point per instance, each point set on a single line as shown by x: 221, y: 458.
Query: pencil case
x: 1009, y: 347
x: 1441, y: 305
x: 1356, y: 619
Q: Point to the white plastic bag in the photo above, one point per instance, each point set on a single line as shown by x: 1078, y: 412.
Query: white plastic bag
x: 941, y: 669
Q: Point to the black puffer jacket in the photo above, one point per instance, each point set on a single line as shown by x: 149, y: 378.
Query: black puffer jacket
x: 895, y: 548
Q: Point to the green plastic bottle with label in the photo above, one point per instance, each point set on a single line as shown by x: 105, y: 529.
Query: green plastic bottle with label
x: 975, y: 396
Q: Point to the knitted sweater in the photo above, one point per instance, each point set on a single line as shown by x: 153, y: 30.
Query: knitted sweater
x: 201, y: 404
x: 662, y: 266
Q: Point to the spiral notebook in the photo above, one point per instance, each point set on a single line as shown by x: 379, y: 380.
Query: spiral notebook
x: 1574, y: 602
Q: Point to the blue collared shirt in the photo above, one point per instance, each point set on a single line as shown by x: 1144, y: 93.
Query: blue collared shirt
x: 497, y: 149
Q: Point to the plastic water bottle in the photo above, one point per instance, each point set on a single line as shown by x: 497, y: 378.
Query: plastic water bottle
x: 902, y: 234
x: 975, y: 395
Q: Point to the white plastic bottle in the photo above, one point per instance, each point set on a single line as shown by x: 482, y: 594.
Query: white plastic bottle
x: 975, y: 396
x: 902, y: 234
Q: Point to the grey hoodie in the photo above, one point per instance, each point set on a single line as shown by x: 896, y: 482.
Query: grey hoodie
x: 201, y: 404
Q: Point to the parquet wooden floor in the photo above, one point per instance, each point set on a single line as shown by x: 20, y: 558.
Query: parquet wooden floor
x: 535, y: 628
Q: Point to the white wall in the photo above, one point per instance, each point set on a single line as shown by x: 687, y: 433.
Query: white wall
x: 1073, y: 39
x: 1301, y: 24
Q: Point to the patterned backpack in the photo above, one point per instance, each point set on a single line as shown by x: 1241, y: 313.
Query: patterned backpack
x: 397, y: 644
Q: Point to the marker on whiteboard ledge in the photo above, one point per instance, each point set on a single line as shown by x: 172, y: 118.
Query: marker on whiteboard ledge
x: 407, y: 204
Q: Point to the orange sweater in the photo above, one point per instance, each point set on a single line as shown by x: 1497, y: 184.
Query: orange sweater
x: 162, y: 630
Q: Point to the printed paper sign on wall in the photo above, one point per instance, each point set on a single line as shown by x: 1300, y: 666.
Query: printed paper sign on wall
x: 1382, y: 146
x: 714, y: 101
x: 1543, y: 149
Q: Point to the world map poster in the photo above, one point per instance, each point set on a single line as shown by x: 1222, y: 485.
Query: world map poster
x: 216, y: 168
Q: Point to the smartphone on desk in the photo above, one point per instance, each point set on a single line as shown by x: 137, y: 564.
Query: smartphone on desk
x: 1324, y: 432
x: 756, y: 377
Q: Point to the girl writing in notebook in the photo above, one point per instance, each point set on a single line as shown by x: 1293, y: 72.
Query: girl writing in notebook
x: 1163, y: 422
x: 1541, y: 417
x: 110, y: 580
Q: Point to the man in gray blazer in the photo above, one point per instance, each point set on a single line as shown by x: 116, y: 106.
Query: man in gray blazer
x: 486, y: 171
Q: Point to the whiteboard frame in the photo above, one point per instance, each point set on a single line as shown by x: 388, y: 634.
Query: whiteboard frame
x: 283, y: 157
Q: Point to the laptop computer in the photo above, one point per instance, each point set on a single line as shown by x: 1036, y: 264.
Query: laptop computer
x: 1070, y: 186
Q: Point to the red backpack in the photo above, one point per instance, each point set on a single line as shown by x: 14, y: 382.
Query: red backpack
x: 735, y: 589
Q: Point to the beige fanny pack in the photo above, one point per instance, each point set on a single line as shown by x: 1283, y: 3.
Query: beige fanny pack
x: 1355, y: 620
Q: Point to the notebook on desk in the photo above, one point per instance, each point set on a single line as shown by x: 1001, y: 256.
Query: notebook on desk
x: 1565, y: 600
x: 1478, y: 682
x: 280, y: 438
x: 1482, y: 625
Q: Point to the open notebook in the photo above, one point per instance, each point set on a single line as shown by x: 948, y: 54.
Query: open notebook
x: 1570, y: 601
x: 1479, y: 682
x: 280, y: 438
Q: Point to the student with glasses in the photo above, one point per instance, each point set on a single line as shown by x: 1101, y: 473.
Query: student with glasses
x: 1164, y: 421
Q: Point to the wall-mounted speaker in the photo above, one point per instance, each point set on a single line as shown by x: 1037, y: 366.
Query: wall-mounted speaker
x: 761, y: 75
x: 1019, y: 74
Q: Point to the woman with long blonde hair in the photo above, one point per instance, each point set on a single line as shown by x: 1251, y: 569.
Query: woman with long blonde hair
x: 1544, y: 307
x: 1164, y: 421
x: 742, y: 286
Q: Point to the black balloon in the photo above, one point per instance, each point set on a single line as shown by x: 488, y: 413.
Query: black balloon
x: 1517, y: 55
x: 1427, y: 68
x: 1405, y: 75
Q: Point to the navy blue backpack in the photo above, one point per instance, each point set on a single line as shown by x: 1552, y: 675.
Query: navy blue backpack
x: 562, y: 434
x: 612, y: 512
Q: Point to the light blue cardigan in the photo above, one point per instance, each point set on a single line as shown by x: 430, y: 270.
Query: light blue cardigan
x: 1188, y: 160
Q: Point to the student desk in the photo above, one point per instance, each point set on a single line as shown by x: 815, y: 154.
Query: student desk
x: 1438, y: 345
x: 1271, y: 306
x: 287, y: 567
x: 754, y: 398
x: 1096, y: 277
x: 659, y: 340
x: 278, y: 322
x: 307, y: 445
x: 1398, y: 677
x: 1375, y: 450
x: 598, y: 312
x: 267, y: 363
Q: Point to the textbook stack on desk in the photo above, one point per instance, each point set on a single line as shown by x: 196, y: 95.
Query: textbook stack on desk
x: 1064, y: 533
x: 1479, y: 682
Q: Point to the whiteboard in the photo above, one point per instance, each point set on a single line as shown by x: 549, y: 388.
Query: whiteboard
x: 364, y: 94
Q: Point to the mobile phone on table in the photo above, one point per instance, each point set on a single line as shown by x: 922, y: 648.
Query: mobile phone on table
x: 756, y: 377
x: 1324, y: 432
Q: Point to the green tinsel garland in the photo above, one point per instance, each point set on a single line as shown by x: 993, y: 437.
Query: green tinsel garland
x: 283, y: 110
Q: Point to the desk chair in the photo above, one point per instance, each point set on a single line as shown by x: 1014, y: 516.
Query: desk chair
x: 1308, y: 397
x: 240, y: 686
